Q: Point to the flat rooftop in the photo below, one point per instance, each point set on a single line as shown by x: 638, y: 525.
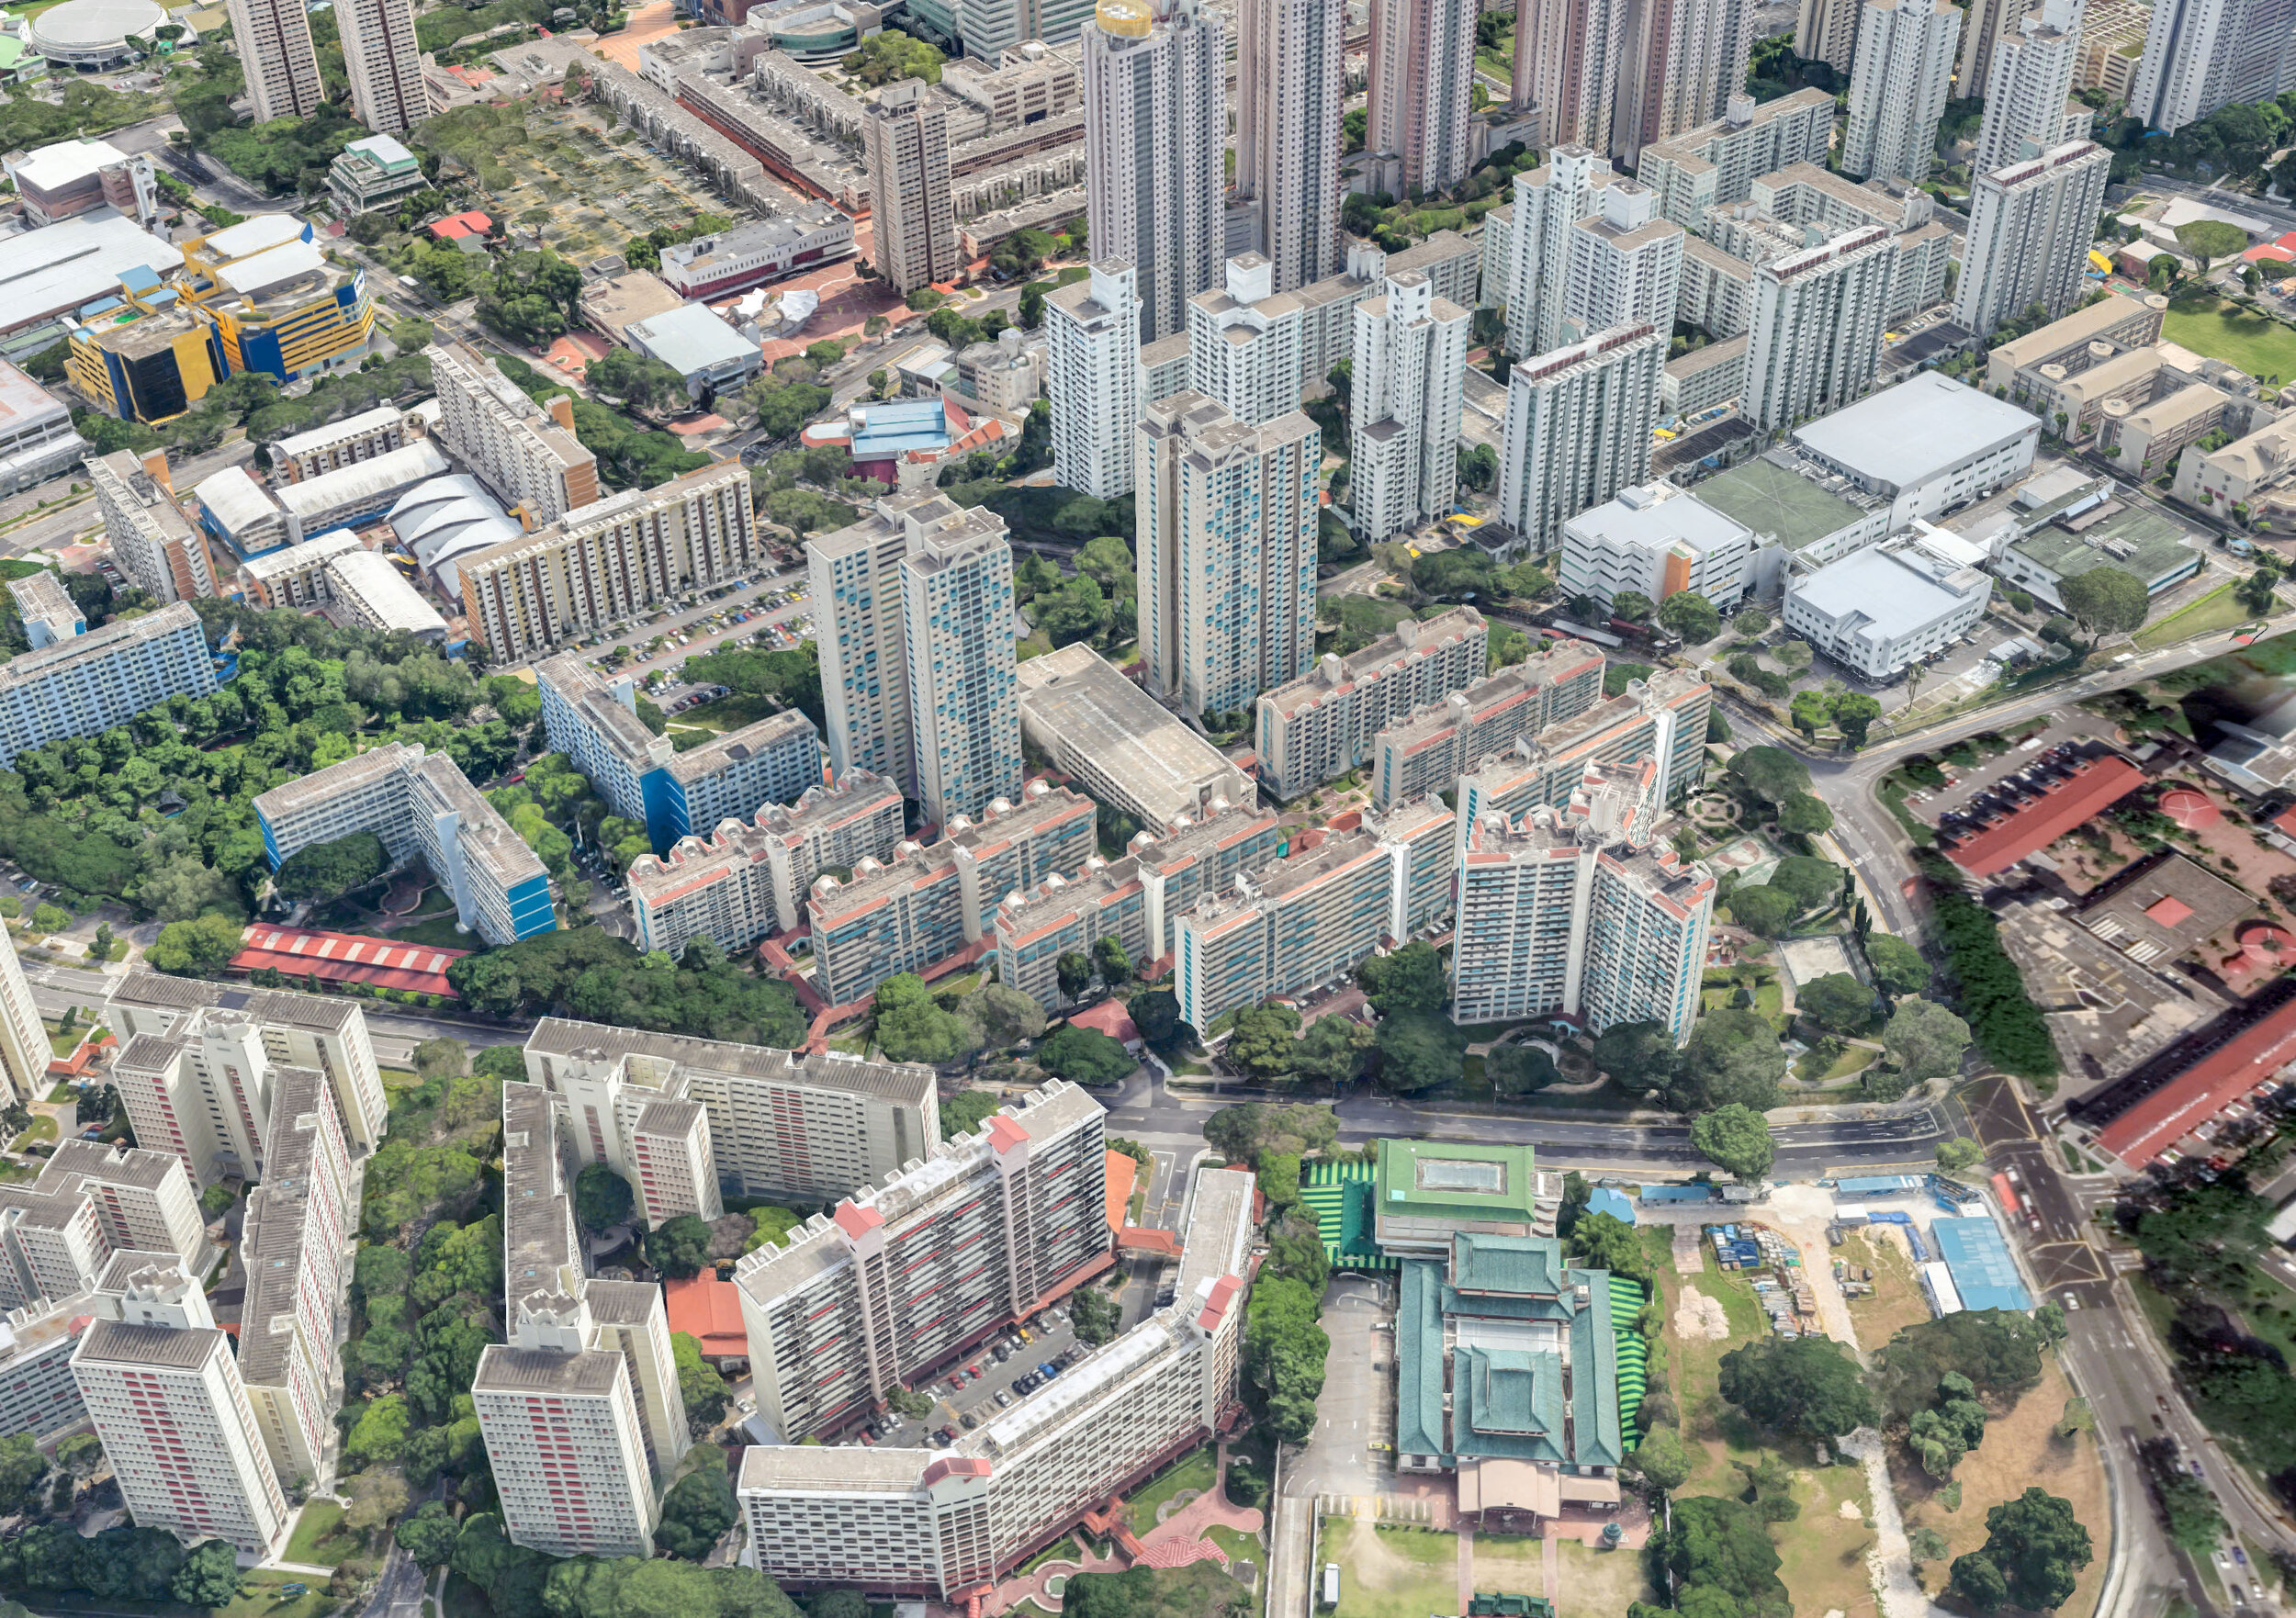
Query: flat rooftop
x: 1772, y: 497
x: 1909, y: 433
x: 1075, y: 698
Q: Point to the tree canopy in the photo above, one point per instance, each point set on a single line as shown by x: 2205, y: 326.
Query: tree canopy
x: 1087, y: 1056
x: 2033, y: 1553
x: 1805, y: 1385
x: 1898, y: 967
x: 1405, y: 981
x: 1736, y: 1138
x: 1418, y: 1052
x: 2105, y: 601
x: 912, y: 1026
x: 328, y: 871
x: 603, y: 1199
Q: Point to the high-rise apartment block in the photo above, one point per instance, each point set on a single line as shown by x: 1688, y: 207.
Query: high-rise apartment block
x: 1716, y: 164
x: 742, y: 883
x: 1567, y: 59
x: 1243, y: 343
x: 1655, y: 540
x: 926, y: 905
x: 37, y: 1392
x: 1549, y: 200
x: 1816, y: 327
x: 1319, y: 727
x: 643, y: 777
x: 1897, y: 88
x: 1426, y: 749
x: 319, y: 1031
x: 1410, y: 379
x: 913, y: 212
x: 1155, y: 139
x: 1683, y: 62
x: 1578, y: 429
x: 275, y: 48
x: 1227, y: 518
x: 1421, y: 69
x: 56, y: 1233
x: 164, y: 1392
x: 385, y: 61
x: 2030, y: 229
x: 85, y: 685
x: 1662, y: 720
x: 24, y: 1049
x: 611, y: 559
x: 1580, y: 913
x: 964, y: 699
x: 936, y: 1523
x: 1827, y: 31
x: 1290, y: 82
x: 298, y: 1225
x: 2200, y: 55
x: 1804, y: 195
x: 583, y: 1424
x: 1624, y: 266
x: 156, y: 546
x: 1092, y: 342
x: 976, y: 1234
x: 803, y: 1126
x: 422, y: 806
x: 527, y: 455
x: 2028, y: 85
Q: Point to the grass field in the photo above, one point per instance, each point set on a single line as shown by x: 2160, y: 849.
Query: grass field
x: 1897, y: 1301
x: 1598, y: 1584
x: 439, y: 932
x: 318, y: 1522
x: 1193, y: 1471
x: 43, y: 1128
x: 1515, y: 1565
x: 399, y: 1078
x: 2217, y: 611
x: 2260, y: 346
x: 1391, y: 1572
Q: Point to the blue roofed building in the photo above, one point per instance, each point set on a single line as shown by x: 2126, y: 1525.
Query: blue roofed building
x: 1977, y: 1256
x: 1509, y: 1376
x: 1617, y: 1204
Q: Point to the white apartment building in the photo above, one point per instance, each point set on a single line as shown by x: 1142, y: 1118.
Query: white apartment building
x: 964, y: 698
x: 1660, y: 720
x: 583, y: 1424
x: 1320, y: 726
x: 1568, y: 56
x: 422, y: 806
x: 914, y: 216
x: 24, y: 1051
x: 527, y: 455
x: 1420, y: 72
x: 1716, y: 164
x: 1549, y: 200
x: 2029, y: 84
x: 37, y: 1392
x: 855, y: 580
x: 742, y: 883
x: 1624, y: 264
x: 1578, y: 429
x: 805, y: 1127
x: 1927, y: 446
x: 298, y: 577
x: 1427, y: 748
x: 274, y: 48
x: 324, y: 1032
x: 85, y: 685
x: 936, y: 1524
x: 1804, y: 194
x: 1582, y: 913
x: 1155, y: 142
x: 364, y: 437
x: 162, y: 553
x: 1880, y: 611
x: 2200, y: 55
x: 90, y: 1201
x: 164, y: 1393
x: 611, y: 559
x: 1243, y: 343
x: 299, y: 1226
x: 1657, y: 540
x: 1227, y: 552
x: 1288, y: 928
x: 1289, y: 83
x: 1815, y: 333
x: 904, y: 1275
x: 1410, y: 379
x: 1897, y: 88
x: 385, y: 61
x: 2030, y: 229
x: 1092, y: 342
x: 1682, y: 66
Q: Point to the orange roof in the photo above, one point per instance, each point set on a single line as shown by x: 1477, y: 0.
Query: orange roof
x: 708, y: 1310
x: 2224, y: 1075
x: 1108, y: 1018
x: 1122, y: 1173
x: 2039, y: 821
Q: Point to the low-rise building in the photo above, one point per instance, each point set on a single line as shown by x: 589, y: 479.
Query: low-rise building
x: 2144, y: 435
x: 36, y: 440
x: 1926, y: 446
x: 1319, y: 727
x: 46, y: 609
x: 1696, y: 382
x: 53, y: 274
x: 2122, y: 321
x: 808, y: 235
x: 298, y: 576
x: 354, y: 495
x: 1882, y: 609
x: 86, y: 684
x: 707, y: 353
x: 373, y: 594
x: 373, y: 172
x: 363, y: 437
x: 2110, y: 533
x: 1119, y: 745
x: 274, y: 301
x: 1656, y: 540
x: 1424, y: 1193
x: 2236, y: 475
x: 69, y: 178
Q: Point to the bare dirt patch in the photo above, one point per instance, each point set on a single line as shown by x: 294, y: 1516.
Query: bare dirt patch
x: 1701, y: 1318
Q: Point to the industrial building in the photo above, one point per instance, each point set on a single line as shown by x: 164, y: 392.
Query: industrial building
x: 1927, y: 446
x: 1880, y: 611
x: 59, y: 272
x: 1656, y: 540
x: 36, y: 440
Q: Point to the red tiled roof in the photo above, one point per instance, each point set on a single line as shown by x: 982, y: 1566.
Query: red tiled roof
x: 2285, y: 821
x: 2224, y: 1075
x: 1005, y: 1133
x: 1224, y: 1292
x: 856, y: 1220
x: 1122, y: 1172
x: 1108, y: 1018
x: 2189, y: 809
x: 2169, y: 911
x: 469, y: 223
x: 347, y: 958
x: 708, y: 1310
x: 2041, y: 820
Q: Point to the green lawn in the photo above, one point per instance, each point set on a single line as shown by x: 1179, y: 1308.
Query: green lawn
x: 1390, y: 1572
x: 2214, y: 612
x: 320, y: 1520
x: 1855, y: 1059
x: 723, y: 714
x: 1195, y: 1470
x: 43, y: 1128
x: 439, y: 932
x: 399, y: 1078
x: 2208, y: 325
x: 67, y: 1091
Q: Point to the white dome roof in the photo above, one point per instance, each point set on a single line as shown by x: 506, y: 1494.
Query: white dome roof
x: 91, y: 25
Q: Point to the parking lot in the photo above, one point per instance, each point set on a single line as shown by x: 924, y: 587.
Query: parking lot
x: 987, y: 1383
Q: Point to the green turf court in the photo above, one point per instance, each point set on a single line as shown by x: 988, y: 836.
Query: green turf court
x: 1340, y: 1195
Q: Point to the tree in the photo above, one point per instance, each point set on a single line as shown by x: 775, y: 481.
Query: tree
x: 1333, y: 1048
x: 1108, y: 956
x: 1771, y: 774
x: 701, y: 1390
x: 1636, y: 1055
x: 2210, y: 240
x: 966, y: 1112
x: 1107, y: 560
x: 1811, y: 711
x: 1805, y: 1385
x: 1837, y: 1002
x: 379, y: 1435
x: 1805, y: 815
x: 2104, y: 600
x: 1925, y: 1040
x: 1087, y: 1056
x: 602, y: 1199
x: 1519, y: 1069
x: 2034, y: 1550
x: 1997, y: 1350
x: 429, y: 1534
x: 1736, y: 1138
x: 1722, y: 1564
x: 195, y: 949
x: 1928, y: 1545
x: 1095, y: 1315
x: 1898, y: 967
x: 1156, y: 1014
x: 1813, y: 882
x: 1001, y: 1016
x: 678, y: 1248
x: 1604, y: 1241
x: 1284, y: 1351
x: 1404, y: 981
x: 1075, y: 969
x: 1662, y: 1460
x: 1418, y: 1052
x: 1854, y: 713
x: 1690, y: 616
x: 1762, y: 909
x: 1630, y: 605
x: 698, y: 1508
x: 911, y: 1026
x: 2195, y: 1522
x: 1955, y: 1155
x: 209, y: 1576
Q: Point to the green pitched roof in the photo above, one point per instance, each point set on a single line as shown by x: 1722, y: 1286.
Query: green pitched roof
x: 1596, y: 1439
x: 1531, y: 1264
x: 1507, y: 1402
x: 1419, y: 1360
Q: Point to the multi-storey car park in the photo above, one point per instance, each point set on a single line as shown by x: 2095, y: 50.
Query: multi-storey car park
x: 948, y: 1523
x: 907, y: 1273
x: 804, y: 1127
